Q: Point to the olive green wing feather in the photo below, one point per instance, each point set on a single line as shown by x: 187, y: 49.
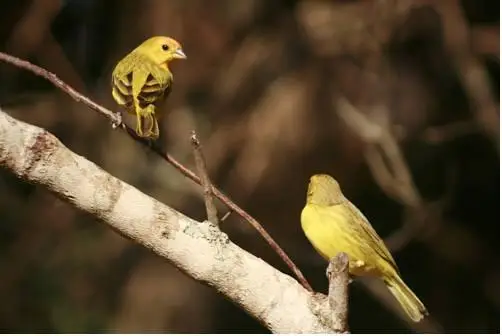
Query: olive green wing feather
x: 370, y: 234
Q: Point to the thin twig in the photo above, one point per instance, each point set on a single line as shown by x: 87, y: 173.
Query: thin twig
x: 60, y: 84
x: 115, y: 119
x: 200, y: 163
x: 338, y: 295
x: 225, y: 216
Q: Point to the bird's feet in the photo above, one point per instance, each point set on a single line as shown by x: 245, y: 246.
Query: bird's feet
x: 117, y: 120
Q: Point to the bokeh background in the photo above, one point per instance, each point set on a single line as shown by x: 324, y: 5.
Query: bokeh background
x: 272, y: 87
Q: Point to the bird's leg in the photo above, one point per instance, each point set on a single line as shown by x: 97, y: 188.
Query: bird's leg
x: 153, y: 129
x: 139, y: 128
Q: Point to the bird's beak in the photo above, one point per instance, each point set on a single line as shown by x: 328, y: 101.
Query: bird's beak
x: 179, y: 54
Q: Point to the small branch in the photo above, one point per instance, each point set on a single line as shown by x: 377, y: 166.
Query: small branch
x: 227, y: 201
x: 116, y: 120
x: 61, y: 85
x: 200, y: 163
x: 225, y: 216
x: 338, y: 295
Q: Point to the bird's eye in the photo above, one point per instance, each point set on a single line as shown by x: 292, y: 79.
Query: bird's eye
x: 165, y: 47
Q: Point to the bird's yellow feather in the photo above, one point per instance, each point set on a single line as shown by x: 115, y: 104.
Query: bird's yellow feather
x: 333, y: 225
x: 142, y: 78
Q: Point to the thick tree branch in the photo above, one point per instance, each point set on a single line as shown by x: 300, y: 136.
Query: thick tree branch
x: 200, y: 250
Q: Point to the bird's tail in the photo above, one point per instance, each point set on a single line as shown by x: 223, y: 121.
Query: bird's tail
x: 147, y: 126
x: 411, y: 304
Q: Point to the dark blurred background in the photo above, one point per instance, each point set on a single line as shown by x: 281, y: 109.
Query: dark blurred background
x: 261, y: 86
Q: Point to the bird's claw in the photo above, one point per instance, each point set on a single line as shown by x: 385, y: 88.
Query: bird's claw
x: 117, y: 121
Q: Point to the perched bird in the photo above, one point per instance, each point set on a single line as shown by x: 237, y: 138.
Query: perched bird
x: 333, y: 224
x: 142, y: 78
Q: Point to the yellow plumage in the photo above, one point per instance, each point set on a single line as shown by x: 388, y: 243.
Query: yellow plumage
x: 333, y: 225
x: 142, y: 78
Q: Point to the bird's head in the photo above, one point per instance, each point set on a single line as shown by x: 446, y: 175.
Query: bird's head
x: 162, y: 49
x: 324, y: 190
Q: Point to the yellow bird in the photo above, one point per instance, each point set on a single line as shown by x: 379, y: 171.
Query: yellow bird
x: 333, y: 224
x: 142, y: 78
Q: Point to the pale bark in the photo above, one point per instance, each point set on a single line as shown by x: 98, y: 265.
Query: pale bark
x: 200, y: 250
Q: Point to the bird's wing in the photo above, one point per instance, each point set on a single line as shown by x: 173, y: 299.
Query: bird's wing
x: 158, y: 85
x: 122, y: 81
x: 151, y: 91
x: 370, y: 234
x: 125, y: 66
x: 137, y: 77
x: 161, y: 76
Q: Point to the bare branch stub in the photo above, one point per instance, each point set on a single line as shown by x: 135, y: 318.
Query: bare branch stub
x: 200, y: 163
x: 338, y: 295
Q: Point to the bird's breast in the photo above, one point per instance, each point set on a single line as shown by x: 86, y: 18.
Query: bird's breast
x: 328, y: 230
